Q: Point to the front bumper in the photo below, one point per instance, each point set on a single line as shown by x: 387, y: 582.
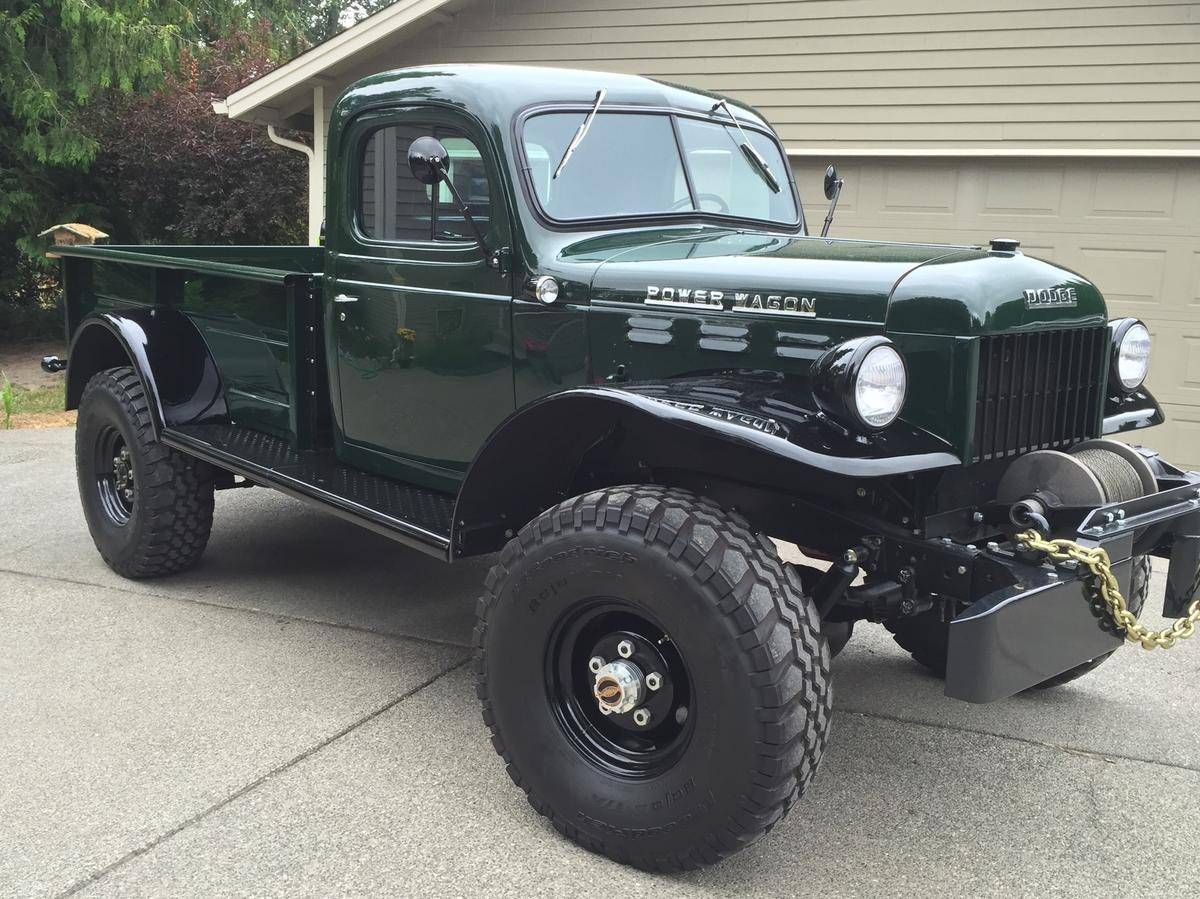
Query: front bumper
x: 1043, y: 620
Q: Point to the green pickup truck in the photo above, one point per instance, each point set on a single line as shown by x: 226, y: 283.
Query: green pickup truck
x: 579, y: 320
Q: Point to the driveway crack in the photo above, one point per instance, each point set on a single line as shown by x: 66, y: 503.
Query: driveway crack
x: 245, y: 610
x: 96, y: 876
x: 1028, y: 741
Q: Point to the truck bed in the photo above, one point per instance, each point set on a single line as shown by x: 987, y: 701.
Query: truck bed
x: 251, y: 304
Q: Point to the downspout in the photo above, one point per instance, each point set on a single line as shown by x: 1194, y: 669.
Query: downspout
x: 314, y: 232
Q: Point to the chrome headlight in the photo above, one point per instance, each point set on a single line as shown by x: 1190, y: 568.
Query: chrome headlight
x: 880, y: 386
x: 862, y: 382
x: 1130, y: 354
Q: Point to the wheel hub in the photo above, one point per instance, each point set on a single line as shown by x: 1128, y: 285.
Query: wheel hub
x: 123, y: 472
x: 619, y: 687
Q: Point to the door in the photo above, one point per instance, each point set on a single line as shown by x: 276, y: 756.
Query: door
x: 420, y: 318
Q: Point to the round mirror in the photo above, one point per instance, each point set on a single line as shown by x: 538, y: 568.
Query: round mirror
x: 831, y: 182
x: 427, y: 159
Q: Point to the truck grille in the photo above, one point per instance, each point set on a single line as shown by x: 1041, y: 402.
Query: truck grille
x: 1039, y: 390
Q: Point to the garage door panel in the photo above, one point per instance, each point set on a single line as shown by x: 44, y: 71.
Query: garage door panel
x: 1027, y: 192
x: 1179, y: 439
x: 1133, y: 278
x: 1132, y: 192
x: 925, y: 190
x: 1175, y: 374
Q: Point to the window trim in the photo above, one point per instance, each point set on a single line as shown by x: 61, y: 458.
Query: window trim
x: 799, y: 226
x: 355, y: 189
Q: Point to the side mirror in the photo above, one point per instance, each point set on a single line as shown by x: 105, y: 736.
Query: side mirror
x: 833, y: 190
x: 832, y: 183
x: 427, y: 160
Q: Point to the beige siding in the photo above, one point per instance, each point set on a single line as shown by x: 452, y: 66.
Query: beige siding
x: 877, y: 74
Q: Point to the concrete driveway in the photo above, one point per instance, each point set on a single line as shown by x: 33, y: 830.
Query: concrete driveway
x: 296, y: 716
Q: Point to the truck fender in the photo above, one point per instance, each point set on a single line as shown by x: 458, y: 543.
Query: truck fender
x: 166, y: 351
x: 590, y: 437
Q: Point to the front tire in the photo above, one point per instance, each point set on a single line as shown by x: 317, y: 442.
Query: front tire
x: 149, y: 509
x: 736, y: 727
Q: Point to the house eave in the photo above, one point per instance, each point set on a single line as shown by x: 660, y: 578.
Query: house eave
x: 261, y: 99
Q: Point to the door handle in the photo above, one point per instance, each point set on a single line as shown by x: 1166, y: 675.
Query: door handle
x: 345, y: 298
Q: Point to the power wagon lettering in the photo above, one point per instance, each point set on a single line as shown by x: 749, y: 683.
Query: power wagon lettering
x: 676, y: 297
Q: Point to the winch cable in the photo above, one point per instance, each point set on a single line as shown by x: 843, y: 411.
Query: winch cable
x: 1117, y: 478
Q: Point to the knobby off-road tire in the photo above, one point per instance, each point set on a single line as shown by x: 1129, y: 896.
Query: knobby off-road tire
x: 927, y: 636
x: 743, y: 653
x: 161, y: 525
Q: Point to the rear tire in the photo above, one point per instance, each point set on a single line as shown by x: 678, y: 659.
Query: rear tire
x: 693, y: 593
x: 927, y: 636
x: 149, y: 509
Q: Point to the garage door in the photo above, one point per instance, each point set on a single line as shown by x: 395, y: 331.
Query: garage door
x: 1132, y: 226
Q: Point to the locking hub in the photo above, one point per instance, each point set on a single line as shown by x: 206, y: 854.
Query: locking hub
x: 619, y: 687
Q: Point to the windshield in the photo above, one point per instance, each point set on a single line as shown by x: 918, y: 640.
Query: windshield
x: 630, y: 164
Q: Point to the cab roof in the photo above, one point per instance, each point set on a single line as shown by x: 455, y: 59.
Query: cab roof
x: 499, y: 92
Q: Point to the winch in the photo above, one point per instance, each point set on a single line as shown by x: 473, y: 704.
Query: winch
x: 1092, y: 473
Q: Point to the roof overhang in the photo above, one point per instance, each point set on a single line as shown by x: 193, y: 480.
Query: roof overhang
x: 286, y: 91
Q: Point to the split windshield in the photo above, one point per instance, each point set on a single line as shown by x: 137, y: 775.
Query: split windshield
x: 630, y: 164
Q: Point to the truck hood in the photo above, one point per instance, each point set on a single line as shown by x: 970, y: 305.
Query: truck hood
x: 914, y: 288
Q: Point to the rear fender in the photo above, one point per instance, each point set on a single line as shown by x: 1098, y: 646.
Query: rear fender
x: 166, y: 351
x: 759, y: 431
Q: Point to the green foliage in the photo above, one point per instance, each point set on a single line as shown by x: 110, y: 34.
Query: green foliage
x: 175, y: 172
x: 66, y: 65
x: 32, y: 322
x: 37, y: 400
x: 56, y: 55
x: 7, y: 400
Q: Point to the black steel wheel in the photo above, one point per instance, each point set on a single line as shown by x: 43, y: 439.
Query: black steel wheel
x: 149, y: 509
x: 654, y: 681
x: 113, y: 465
x: 646, y: 739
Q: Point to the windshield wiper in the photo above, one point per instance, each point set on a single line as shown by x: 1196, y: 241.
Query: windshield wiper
x: 580, y: 134
x: 752, y: 155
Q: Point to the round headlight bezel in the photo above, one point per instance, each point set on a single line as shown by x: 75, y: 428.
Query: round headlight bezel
x: 836, y: 381
x: 1123, y: 330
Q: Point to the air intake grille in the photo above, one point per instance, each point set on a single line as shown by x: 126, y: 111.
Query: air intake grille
x: 1038, y: 391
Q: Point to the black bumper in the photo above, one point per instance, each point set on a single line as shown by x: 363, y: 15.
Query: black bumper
x: 1044, y: 620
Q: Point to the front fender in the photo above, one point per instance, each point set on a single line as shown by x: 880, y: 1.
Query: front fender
x: 1132, y: 412
x: 177, y: 371
x: 760, y: 430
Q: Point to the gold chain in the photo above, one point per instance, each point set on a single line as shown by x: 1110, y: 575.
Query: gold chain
x: 1097, y: 561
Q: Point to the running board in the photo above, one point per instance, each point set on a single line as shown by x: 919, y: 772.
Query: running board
x: 414, y: 516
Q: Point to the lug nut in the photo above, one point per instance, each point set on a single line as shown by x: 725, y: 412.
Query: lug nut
x: 624, y: 649
x: 653, y: 680
x: 595, y: 663
x: 641, y: 717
